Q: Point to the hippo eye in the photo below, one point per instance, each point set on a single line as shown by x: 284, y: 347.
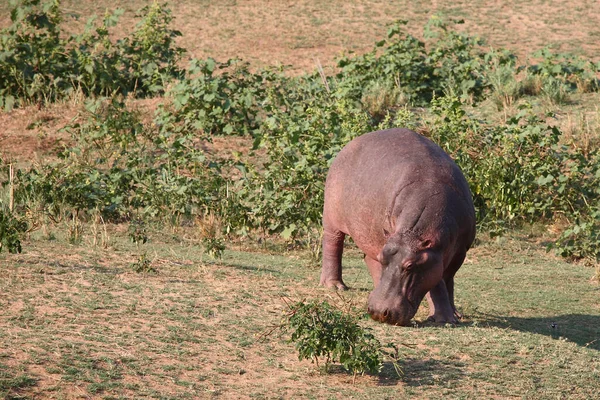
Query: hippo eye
x: 408, y: 266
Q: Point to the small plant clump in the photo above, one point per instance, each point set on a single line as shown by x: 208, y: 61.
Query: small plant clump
x: 11, y: 230
x: 143, y: 265
x: 321, y: 331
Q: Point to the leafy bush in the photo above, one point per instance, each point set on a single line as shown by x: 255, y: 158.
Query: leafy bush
x: 284, y: 194
x: 572, y: 71
x: 501, y: 74
x: 11, y: 229
x: 121, y: 167
x: 32, y: 55
x: 399, y: 61
x: 143, y: 265
x: 517, y: 172
x: 220, y: 98
x: 151, y: 55
x: 457, y: 60
x: 39, y: 65
x: 582, y: 239
x: 446, y: 62
x: 320, y: 331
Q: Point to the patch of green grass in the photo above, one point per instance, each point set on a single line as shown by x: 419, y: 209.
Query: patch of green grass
x: 12, y: 382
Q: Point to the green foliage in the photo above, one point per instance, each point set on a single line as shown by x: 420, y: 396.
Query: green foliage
x: 321, y: 331
x: 143, y: 265
x: 518, y: 172
x: 521, y: 171
x: 457, y: 61
x: 219, y: 98
x: 11, y: 229
x: 501, y: 74
x: 32, y: 57
x: 151, y: 53
x: 38, y: 64
x: 137, y: 231
x: 284, y: 193
x: 571, y: 71
x: 120, y: 166
x: 213, y: 246
x: 581, y: 240
x: 446, y: 62
x: 400, y: 61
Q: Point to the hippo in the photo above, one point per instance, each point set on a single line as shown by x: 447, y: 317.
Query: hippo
x: 408, y: 208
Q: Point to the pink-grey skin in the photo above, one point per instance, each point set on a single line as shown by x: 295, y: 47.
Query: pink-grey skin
x: 409, y: 209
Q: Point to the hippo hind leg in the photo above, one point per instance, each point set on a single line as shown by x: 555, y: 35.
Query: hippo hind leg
x: 450, y: 288
x: 331, y: 270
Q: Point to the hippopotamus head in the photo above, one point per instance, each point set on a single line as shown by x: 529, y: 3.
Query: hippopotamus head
x: 411, y: 267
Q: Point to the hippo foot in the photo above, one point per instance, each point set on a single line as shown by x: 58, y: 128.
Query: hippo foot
x: 443, y: 319
x: 334, y: 284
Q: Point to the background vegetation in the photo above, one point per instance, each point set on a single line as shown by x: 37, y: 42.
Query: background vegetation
x: 234, y: 154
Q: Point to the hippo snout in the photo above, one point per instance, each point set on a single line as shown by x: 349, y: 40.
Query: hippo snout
x: 393, y: 314
x: 389, y: 317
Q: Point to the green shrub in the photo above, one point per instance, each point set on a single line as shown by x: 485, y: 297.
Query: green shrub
x: 518, y: 172
x: 38, y: 64
x: 321, y: 331
x: 11, y: 229
x: 33, y: 61
x: 581, y: 240
x: 284, y: 194
x: 398, y: 61
x: 555, y: 91
x: 572, y: 71
x: 143, y: 265
x: 457, y: 61
x: 121, y: 167
x: 501, y: 74
x: 220, y: 98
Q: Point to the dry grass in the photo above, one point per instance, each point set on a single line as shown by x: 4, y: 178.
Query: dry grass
x: 298, y: 33
x: 77, y: 322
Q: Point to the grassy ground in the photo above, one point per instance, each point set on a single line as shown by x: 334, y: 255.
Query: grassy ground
x: 78, y: 322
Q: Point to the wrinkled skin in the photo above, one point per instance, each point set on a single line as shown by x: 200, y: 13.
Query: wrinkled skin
x: 408, y: 207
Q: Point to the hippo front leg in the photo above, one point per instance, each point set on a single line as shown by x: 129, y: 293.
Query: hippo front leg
x: 375, y: 269
x: 440, y: 306
x: 331, y: 269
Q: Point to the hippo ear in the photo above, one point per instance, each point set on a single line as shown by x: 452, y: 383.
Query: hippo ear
x: 386, y: 234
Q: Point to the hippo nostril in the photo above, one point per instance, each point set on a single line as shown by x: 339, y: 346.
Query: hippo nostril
x: 386, y: 314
